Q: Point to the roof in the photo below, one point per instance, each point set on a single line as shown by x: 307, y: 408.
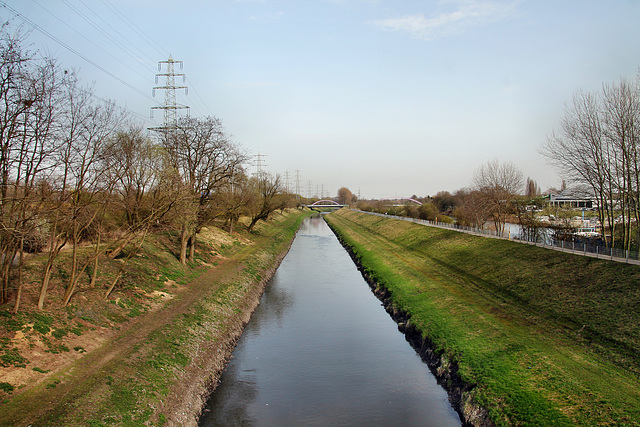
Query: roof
x: 574, y: 193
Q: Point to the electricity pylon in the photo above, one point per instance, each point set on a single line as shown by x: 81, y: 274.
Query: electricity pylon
x: 170, y: 106
x: 286, y: 182
x: 260, y: 164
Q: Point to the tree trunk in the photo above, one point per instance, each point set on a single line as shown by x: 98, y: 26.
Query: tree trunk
x: 192, y: 247
x: 53, y: 253
x: 74, y: 266
x: 94, y: 274
x: 113, y: 284
x: 16, y: 307
x: 184, y: 240
x: 252, y: 224
x: 6, y: 269
x: 45, y: 283
x: 114, y: 253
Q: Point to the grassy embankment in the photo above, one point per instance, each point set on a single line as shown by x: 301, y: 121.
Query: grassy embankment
x: 146, y: 355
x: 543, y: 338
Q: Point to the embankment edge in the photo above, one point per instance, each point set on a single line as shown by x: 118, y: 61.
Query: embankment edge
x: 187, y: 402
x: 461, y: 394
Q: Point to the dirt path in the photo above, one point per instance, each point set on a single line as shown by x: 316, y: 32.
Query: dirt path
x: 42, y: 403
x: 83, y: 388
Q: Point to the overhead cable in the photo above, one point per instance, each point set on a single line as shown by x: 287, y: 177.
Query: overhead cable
x: 72, y: 50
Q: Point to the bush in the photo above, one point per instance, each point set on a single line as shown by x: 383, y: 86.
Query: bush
x: 6, y: 387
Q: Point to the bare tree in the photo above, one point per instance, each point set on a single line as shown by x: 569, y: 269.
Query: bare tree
x: 266, y: 190
x: 134, y: 164
x: 524, y: 209
x: 147, y: 191
x: 531, y: 188
x: 473, y: 208
x: 598, y: 146
x: 499, y: 184
x: 138, y: 167
x: 28, y: 88
x: 205, y: 158
x: 90, y: 125
x: 233, y: 198
x: 622, y: 132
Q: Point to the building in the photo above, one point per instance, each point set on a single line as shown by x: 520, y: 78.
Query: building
x: 575, y: 197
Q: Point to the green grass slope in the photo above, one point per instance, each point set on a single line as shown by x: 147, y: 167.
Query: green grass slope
x: 545, y: 338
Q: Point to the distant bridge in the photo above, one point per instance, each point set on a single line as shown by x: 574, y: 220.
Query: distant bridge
x: 325, y: 204
x: 408, y: 199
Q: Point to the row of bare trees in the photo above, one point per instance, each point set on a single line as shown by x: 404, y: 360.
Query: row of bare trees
x: 598, y: 146
x: 495, y: 196
x: 75, y: 169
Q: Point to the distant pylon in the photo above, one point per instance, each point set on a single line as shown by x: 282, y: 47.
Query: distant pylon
x: 286, y: 182
x: 260, y: 164
x: 170, y: 106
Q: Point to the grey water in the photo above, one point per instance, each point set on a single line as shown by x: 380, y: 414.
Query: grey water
x: 320, y: 350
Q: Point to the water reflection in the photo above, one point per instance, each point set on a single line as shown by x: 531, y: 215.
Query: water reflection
x: 320, y: 350
x: 279, y: 299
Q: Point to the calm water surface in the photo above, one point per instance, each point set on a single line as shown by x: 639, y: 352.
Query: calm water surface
x: 320, y: 350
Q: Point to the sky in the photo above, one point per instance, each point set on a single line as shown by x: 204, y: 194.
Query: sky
x: 387, y: 98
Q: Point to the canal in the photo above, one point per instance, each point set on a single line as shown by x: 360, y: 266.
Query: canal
x: 321, y: 350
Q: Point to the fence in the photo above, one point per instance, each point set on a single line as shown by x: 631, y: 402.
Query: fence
x: 585, y: 248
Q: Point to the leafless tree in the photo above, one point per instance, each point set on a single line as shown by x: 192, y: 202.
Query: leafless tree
x: 499, y: 184
x: 531, y: 188
x: 138, y: 168
x: 232, y: 199
x: 89, y: 126
x: 621, y: 111
x: 147, y: 191
x: 581, y: 152
x: 598, y: 146
x: 473, y: 208
x: 266, y: 190
x: 28, y: 89
x: 205, y: 158
x: 134, y: 164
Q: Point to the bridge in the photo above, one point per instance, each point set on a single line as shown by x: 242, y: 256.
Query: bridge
x: 324, y: 204
x: 405, y: 201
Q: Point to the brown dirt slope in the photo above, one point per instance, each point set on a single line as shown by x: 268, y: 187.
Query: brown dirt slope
x: 154, y: 368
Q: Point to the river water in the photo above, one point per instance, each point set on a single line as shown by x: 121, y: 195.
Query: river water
x: 320, y: 350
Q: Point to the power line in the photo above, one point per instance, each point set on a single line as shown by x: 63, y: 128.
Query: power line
x: 199, y: 101
x: 89, y: 40
x: 123, y: 37
x: 136, y: 29
x: 72, y: 50
x: 106, y: 101
x: 107, y: 33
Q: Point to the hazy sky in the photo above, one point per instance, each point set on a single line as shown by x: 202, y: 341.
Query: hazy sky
x: 388, y: 98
